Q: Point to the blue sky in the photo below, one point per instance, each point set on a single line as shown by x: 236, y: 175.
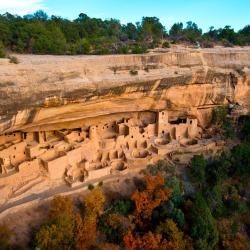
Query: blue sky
x: 204, y: 12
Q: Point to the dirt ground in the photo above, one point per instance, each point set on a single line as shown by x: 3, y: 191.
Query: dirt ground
x: 24, y: 222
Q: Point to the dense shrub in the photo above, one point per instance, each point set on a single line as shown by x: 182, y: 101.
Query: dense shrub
x: 91, y: 187
x: 83, y: 46
x: 241, y: 159
x: 123, y: 207
x: 227, y: 44
x: 2, y: 51
x: 166, y: 44
x: 57, y: 232
x: 245, y: 127
x: 139, y: 50
x: 133, y: 72
x: 197, y: 168
x: 219, y: 115
x: 207, y: 44
x: 13, y: 59
x: 123, y: 50
x: 41, y: 34
x: 203, y: 230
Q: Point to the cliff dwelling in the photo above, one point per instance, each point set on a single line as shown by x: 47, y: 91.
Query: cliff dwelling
x: 124, y: 136
x: 102, y: 149
x: 79, y: 122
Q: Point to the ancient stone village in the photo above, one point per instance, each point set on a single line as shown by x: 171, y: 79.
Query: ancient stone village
x: 78, y: 155
x: 124, y: 136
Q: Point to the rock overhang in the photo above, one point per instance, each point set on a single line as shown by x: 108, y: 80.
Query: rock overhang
x: 43, y: 90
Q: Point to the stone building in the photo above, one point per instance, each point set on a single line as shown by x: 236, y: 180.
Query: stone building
x: 79, y: 155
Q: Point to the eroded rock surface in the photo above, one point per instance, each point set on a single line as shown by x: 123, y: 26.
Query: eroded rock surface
x: 81, y: 118
x: 50, y: 92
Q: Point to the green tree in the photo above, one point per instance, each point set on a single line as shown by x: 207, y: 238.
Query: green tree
x: 227, y: 128
x: 123, y: 207
x: 219, y: 115
x: 50, y: 40
x: 151, y: 28
x: 214, y: 198
x: 2, y: 50
x: 71, y: 30
x: 58, y: 234
x: 58, y: 231
x: 139, y: 49
x: 131, y: 30
x: 173, y: 237
x: 5, y: 32
x: 212, y: 34
x: 166, y: 44
x: 197, y: 168
x: 83, y: 46
x: 192, y: 32
x: 40, y: 14
x: 203, y: 227
x: 176, y: 194
x: 58, y: 42
x: 245, y: 35
x: 241, y: 159
x: 38, y: 33
x: 171, y: 208
x: 176, y: 32
x: 42, y: 44
x: 218, y: 170
x: 123, y: 50
x: 228, y: 33
x: 114, y: 226
x: 245, y: 130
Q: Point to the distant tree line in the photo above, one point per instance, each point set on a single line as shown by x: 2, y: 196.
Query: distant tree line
x: 40, y: 34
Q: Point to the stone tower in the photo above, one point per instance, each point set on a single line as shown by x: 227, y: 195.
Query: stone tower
x: 93, y: 133
x: 162, y: 122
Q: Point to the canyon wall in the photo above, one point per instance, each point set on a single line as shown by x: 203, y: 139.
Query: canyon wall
x: 78, y: 119
x: 59, y: 92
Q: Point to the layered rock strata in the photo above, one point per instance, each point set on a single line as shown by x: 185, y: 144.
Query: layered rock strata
x: 82, y: 118
x: 54, y: 92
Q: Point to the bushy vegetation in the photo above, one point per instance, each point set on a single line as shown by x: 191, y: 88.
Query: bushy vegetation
x: 2, y: 50
x: 203, y: 226
x: 223, y: 183
x: 223, y: 122
x: 160, y: 214
x: 91, y: 187
x: 13, y: 59
x: 245, y: 128
x: 41, y: 34
x: 69, y: 228
x: 219, y: 115
x: 133, y: 72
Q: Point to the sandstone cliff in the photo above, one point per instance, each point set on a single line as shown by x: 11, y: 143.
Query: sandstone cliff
x: 56, y: 92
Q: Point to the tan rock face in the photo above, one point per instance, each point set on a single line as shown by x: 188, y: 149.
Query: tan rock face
x: 56, y: 92
x: 83, y: 118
